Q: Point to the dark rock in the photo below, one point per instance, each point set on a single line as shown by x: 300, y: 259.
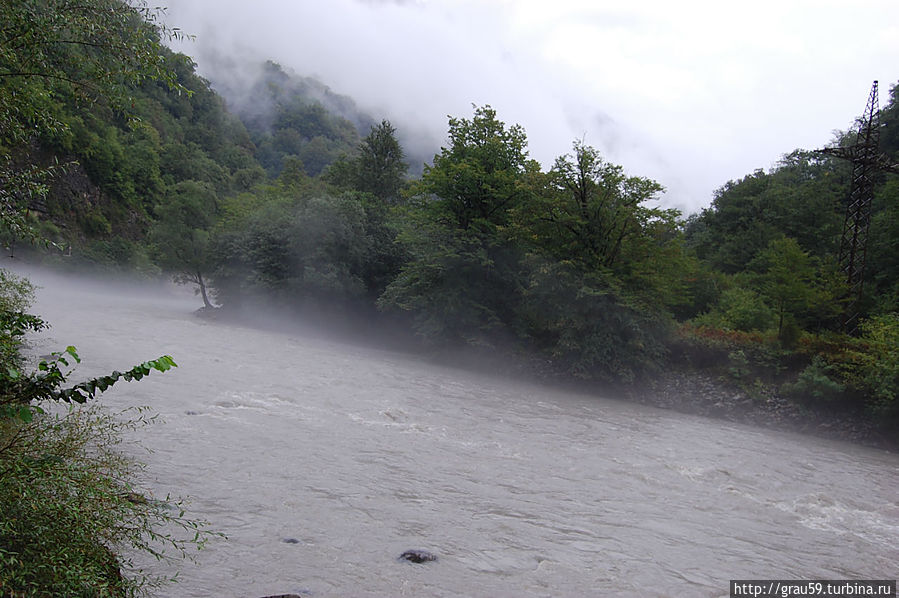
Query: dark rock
x: 290, y: 541
x: 418, y: 556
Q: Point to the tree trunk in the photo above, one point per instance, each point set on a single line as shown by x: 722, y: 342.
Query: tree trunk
x: 202, y: 285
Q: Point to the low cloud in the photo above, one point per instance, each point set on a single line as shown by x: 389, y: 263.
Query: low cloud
x: 690, y: 94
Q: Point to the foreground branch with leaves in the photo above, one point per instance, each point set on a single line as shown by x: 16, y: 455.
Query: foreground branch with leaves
x: 71, y: 508
x: 21, y: 393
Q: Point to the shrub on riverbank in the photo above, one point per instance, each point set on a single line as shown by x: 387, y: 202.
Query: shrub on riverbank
x: 824, y: 372
x: 70, y: 506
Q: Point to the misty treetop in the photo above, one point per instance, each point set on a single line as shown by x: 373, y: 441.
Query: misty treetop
x: 287, y: 115
x: 378, y: 168
x: 476, y: 179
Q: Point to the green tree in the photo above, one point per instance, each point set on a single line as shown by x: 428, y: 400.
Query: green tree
x: 878, y: 363
x: 381, y: 167
x: 180, y: 238
x: 800, y: 198
x: 590, y: 213
x: 377, y: 168
x: 739, y: 308
x: 306, y: 251
x: 889, y: 117
x: 585, y: 325
x: 602, y: 268
x: 461, y: 279
x: 788, y: 279
x: 592, y: 210
x: 457, y: 289
x: 477, y: 179
x: 883, y: 248
x: 69, y: 503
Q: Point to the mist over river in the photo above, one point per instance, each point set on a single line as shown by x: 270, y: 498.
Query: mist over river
x: 358, y: 454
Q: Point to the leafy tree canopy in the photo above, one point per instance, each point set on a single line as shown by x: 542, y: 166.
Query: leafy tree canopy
x: 477, y: 179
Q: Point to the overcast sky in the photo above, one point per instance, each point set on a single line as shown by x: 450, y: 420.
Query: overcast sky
x: 689, y: 93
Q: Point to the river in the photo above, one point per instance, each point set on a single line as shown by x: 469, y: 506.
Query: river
x: 356, y: 454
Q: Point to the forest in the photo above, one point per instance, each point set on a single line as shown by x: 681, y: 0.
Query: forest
x: 115, y: 154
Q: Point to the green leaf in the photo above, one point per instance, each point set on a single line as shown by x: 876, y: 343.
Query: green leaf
x: 73, y: 352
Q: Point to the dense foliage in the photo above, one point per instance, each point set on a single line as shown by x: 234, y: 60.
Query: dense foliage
x: 774, y: 237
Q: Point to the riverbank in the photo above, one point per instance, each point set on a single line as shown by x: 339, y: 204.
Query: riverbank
x: 702, y: 394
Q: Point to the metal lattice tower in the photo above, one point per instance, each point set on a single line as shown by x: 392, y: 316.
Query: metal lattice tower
x: 867, y: 162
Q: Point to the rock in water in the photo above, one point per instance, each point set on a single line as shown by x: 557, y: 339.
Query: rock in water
x: 418, y: 556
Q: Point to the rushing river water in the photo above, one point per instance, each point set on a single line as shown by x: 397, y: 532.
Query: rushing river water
x: 359, y: 454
